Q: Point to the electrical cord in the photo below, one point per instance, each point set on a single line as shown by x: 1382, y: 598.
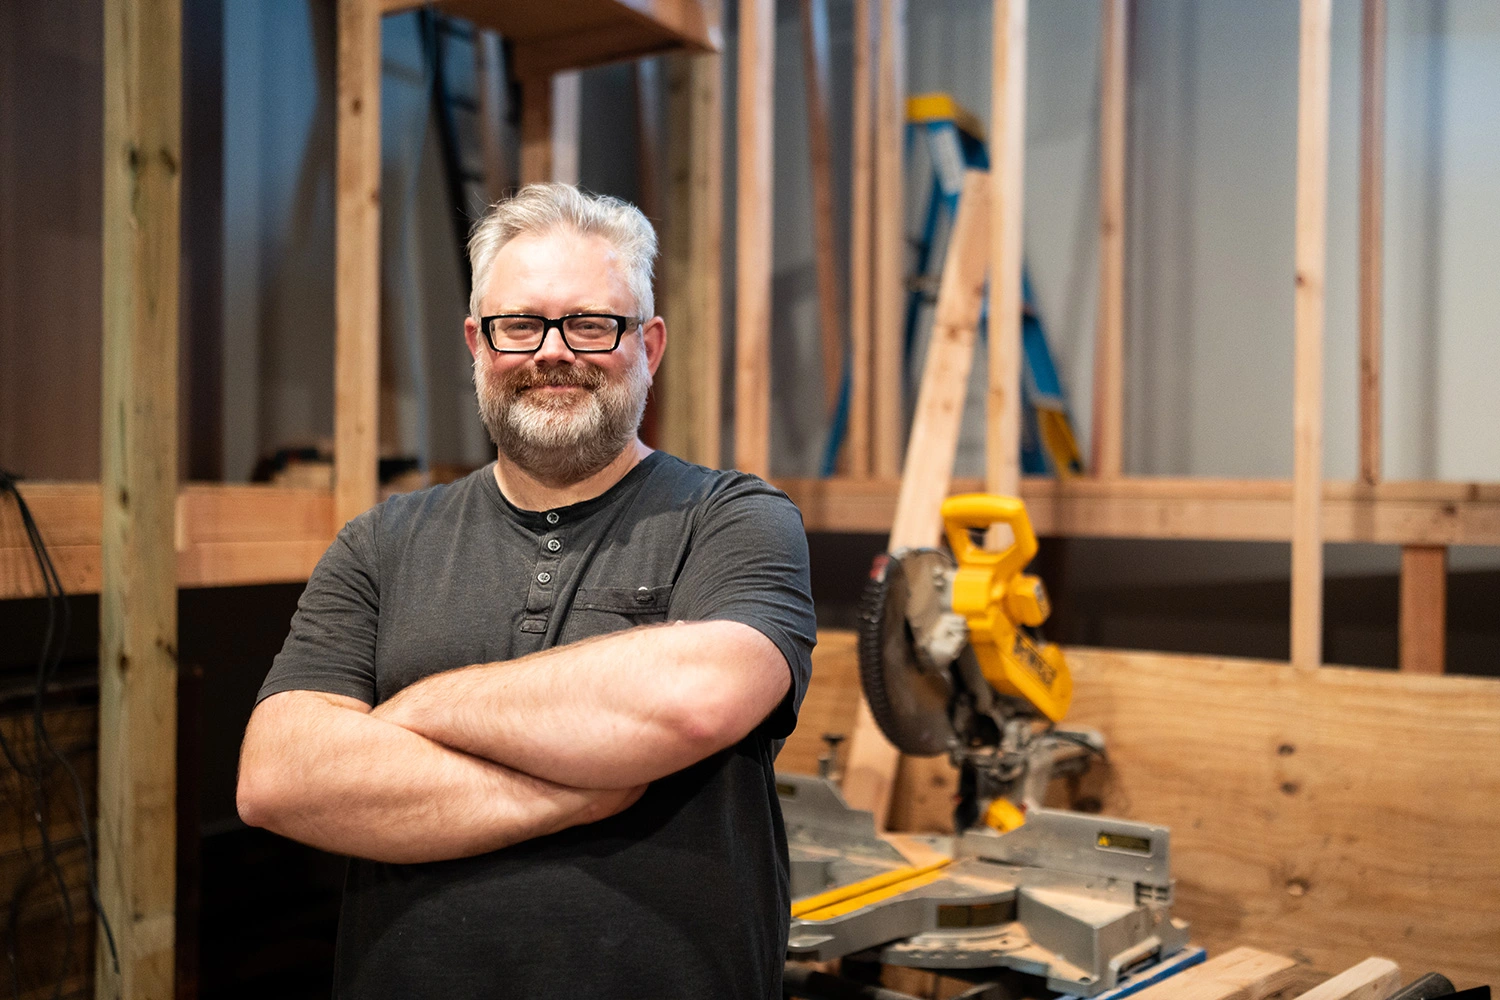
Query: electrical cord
x: 54, y: 643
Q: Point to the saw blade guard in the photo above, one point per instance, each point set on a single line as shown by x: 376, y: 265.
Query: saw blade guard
x: 996, y: 599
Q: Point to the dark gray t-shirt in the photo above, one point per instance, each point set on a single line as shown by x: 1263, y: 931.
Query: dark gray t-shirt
x: 685, y: 894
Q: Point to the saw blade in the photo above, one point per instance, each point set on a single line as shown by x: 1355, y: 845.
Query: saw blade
x: 909, y: 701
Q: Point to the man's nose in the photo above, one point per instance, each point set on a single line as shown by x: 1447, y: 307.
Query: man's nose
x: 554, y: 348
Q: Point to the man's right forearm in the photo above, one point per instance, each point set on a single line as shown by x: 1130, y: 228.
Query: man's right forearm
x: 321, y: 770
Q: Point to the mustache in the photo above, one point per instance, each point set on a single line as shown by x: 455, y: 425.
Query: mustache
x: 532, y: 376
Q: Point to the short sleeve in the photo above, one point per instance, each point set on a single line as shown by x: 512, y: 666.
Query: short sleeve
x: 748, y: 563
x: 331, y: 645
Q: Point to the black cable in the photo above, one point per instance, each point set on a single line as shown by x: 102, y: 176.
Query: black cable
x: 54, y: 645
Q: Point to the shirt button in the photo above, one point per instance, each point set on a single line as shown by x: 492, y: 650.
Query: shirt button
x: 643, y: 595
x: 552, y: 517
x: 553, y: 545
x: 544, y: 577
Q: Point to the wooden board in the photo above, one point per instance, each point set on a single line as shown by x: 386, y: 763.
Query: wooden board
x: 1008, y: 160
x: 815, y: 60
x: 753, y: 200
x: 888, y: 290
x: 1109, y: 339
x: 137, y: 828
x: 1240, y: 974
x: 861, y: 244
x: 830, y: 705
x: 1371, y: 234
x: 356, y: 306
x: 1307, y: 401
x: 536, y: 130
x: 1372, y: 979
x: 1424, y: 608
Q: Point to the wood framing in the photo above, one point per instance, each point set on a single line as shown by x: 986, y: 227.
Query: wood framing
x: 1372, y: 979
x: 691, y: 283
x: 888, y: 291
x: 1422, y: 629
x: 753, y: 210
x: 1109, y: 338
x: 1008, y: 161
x: 861, y: 246
x: 1371, y: 235
x: 815, y: 60
x: 871, y: 771
x: 356, y: 305
x: 137, y: 824
x: 536, y: 130
x: 1307, y: 405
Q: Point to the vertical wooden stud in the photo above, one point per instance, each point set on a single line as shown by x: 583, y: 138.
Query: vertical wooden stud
x: 830, y: 301
x: 1424, y: 601
x: 357, y: 261
x: 752, y: 321
x: 888, y: 390
x: 861, y: 220
x: 1371, y: 235
x: 1307, y: 413
x: 1109, y: 346
x: 536, y: 129
x: 1008, y: 161
x: 138, y: 593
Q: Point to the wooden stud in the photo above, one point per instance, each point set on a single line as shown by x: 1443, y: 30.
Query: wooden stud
x: 861, y: 246
x: 888, y: 388
x: 870, y: 774
x: 536, y: 130
x: 1424, y: 606
x: 830, y: 302
x: 752, y: 323
x: 357, y: 261
x: 137, y: 841
x: 1240, y: 974
x: 567, y: 122
x: 691, y: 283
x: 1008, y: 157
x: 649, y: 137
x: 1109, y: 346
x: 1372, y: 979
x: 1371, y: 235
x: 1307, y: 412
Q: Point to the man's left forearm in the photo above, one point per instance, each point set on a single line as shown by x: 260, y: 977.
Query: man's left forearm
x: 611, y: 712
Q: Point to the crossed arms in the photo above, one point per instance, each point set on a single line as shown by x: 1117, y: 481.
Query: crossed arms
x: 475, y: 759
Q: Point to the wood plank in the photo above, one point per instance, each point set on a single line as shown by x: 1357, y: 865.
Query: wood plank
x: 871, y: 772
x: 690, y: 374
x: 1371, y: 235
x: 831, y: 703
x: 861, y: 245
x: 1008, y: 161
x: 357, y: 261
x: 815, y: 60
x: 137, y: 840
x: 1307, y: 407
x: 1109, y: 346
x: 1372, y: 979
x: 1241, y: 974
x: 536, y: 130
x: 753, y: 207
x: 888, y: 311
x: 1424, y: 608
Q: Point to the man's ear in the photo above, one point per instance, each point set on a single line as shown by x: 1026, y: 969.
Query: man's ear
x: 472, y: 337
x: 654, y: 336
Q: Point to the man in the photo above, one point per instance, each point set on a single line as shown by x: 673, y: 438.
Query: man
x: 538, y: 707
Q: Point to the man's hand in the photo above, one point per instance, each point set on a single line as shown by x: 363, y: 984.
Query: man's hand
x: 617, y: 711
x: 321, y: 769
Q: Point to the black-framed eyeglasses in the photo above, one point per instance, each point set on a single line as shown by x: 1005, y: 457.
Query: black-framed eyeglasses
x: 583, y: 333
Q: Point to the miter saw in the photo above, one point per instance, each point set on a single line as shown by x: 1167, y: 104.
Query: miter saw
x: 951, y: 663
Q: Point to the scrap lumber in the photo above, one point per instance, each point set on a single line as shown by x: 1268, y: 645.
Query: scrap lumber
x: 888, y: 388
x: 1307, y: 405
x: 1241, y: 974
x: 1372, y: 979
x: 137, y: 828
x: 1371, y: 235
x: 861, y: 247
x: 1422, y: 630
x: 1109, y: 342
x: 752, y: 320
x: 871, y: 770
x: 1008, y: 157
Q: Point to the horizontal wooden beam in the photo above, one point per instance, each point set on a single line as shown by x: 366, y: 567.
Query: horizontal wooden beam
x: 1241, y: 510
x: 226, y: 535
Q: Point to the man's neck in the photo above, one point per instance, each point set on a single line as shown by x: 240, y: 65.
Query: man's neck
x: 529, y: 493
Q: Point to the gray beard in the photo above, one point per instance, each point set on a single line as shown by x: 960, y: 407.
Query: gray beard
x: 562, y: 442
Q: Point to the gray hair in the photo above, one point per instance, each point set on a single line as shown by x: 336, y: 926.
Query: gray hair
x: 542, y: 208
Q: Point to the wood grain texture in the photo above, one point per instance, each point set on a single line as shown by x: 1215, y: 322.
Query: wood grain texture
x: 1424, y: 609
x: 137, y: 828
x: 1109, y: 338
x: 1240, y: 974
x: 1008, y: 160
x: 873, y: 761
x: 861, y: 245
x: 1372, y: 979
x: 753, y: 207
x: 356, y: 306
x: 1371, y: 234
x: 1307, y: 400
x: 888, y: 290
x: 830, y: 705
x: 815, y: 60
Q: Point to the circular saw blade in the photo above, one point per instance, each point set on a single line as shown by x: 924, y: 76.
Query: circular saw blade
x: 908, y: 701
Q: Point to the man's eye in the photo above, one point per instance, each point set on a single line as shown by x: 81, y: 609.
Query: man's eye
x: 520, y: 326
x: 587, y: 325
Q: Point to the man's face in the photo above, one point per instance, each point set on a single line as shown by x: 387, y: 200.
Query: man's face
x: 562, y: 416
